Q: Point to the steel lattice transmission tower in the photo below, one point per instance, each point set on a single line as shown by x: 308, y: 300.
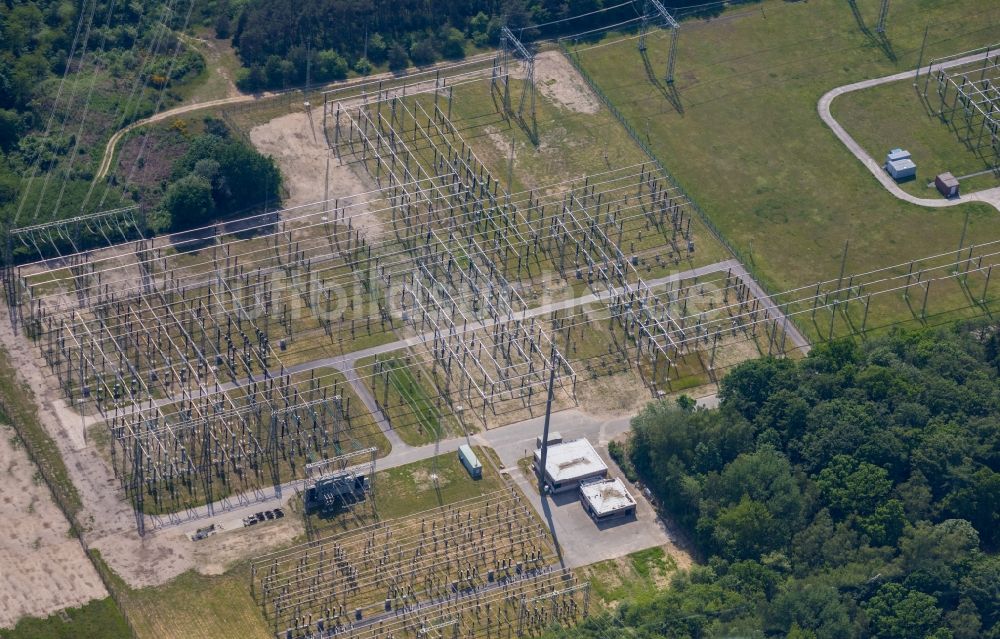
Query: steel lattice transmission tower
x: 650, y: 10
x: 882, y: 15
x: 511, y: 46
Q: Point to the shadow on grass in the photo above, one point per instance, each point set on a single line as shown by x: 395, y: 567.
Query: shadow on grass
x: 667, y: 90
x: 878, y: 39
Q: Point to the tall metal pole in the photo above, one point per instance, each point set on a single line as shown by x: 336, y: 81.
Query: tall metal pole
x: 920, y: 60
x: 548, y: 416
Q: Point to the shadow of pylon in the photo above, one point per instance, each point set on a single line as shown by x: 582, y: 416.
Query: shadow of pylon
x: 878, y: 39
x: 668, y: 90
x: 883, y: 43
x: 530, y: 128
x: 550, y: 521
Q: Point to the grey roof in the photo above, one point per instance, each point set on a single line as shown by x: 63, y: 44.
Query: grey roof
x: 572, y: 460
x: 606, y: 495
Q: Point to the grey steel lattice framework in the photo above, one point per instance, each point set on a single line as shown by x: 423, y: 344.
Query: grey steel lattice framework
x: 511, y: 47
x: 181, y: 340
x: 176, y: 353
x: 462, y: 234
x: 461, y: 559
x: 653, y: 12
x: 883, y: 15
x: 969, y: 102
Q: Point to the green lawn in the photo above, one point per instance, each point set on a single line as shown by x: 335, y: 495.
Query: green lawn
x: 410, y: 489
x: 194, y: 606
x: 895, y: 115
x: 404, y: 393
x: 99, y: 619
x: 751, y: 149
x: 635, y: 577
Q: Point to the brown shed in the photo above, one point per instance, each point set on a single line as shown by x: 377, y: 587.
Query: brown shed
x: 947, y: 185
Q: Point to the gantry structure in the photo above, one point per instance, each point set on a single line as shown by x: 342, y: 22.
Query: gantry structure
x: 969, y: 101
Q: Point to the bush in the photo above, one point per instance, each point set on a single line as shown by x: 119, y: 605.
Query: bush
x: 422, y: 52
x: 363, y: 66
x: 619, y: 453
x: 250, y: 80
x: 189, y: 202
x: 330, y: 65
x: 397, y: 58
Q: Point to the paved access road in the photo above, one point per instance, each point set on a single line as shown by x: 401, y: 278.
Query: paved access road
x: 990, y: 196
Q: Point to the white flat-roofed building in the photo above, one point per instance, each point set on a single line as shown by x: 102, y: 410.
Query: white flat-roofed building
x: 569, y: 463
x: 606, y: 498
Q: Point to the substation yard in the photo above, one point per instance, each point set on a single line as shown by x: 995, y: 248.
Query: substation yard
x: 461, y: 241
x: 225, y: 362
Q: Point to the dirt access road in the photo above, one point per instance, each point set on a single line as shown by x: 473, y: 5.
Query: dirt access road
x: 109, y: 149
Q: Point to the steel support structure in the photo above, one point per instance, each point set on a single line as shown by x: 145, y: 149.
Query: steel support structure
x: 653, y: 12
x: 969, y: 102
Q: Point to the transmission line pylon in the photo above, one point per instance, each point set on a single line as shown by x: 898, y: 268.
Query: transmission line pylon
x: 882, y: 15
x: 653, y: 8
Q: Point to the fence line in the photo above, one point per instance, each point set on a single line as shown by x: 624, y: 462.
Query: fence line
x: 713, y: 229
x: 62, y: 502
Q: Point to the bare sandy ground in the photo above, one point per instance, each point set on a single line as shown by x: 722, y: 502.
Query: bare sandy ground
x: 44, y: 567
x: 297, y: 143
x: 557, y: 80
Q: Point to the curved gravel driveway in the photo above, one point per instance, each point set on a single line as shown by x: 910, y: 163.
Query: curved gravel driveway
x: 990, y: 196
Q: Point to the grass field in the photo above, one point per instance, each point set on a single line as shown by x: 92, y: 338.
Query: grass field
x: 635, y: 577
x: 895, y: 115
x: 751, y: 149
x: 99, y: 619
x: 404, y: 393
x: 194, y: 606
x: 410, y: 489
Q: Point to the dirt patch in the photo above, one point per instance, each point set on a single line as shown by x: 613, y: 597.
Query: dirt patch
x: 44, y: 568
x: 217, y: 554
x: 557, y: 80
x: 502, y: 145
x: 613, y: 395
x: 297, y: 143
x: 425, y: 480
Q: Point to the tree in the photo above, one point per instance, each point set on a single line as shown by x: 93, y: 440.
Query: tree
x: 811, y: 607
x: 478, y: 27
x: 453, y: 44
x: 273, y: 71
x: 397, y: 58
x: 423, y: 52
x: 898, y: 613
x: 11, y: 125
x: 330, y: 65
x: 849, y: 485
x: 223, y: 28
x: 744, y: 530
x: 189, y: 202
x: 377, y: 48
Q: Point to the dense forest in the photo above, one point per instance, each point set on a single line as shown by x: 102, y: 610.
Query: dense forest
x: 855, y: 493
x: 284, y: 45
x: 280, y: 43
x: 71, y: 73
